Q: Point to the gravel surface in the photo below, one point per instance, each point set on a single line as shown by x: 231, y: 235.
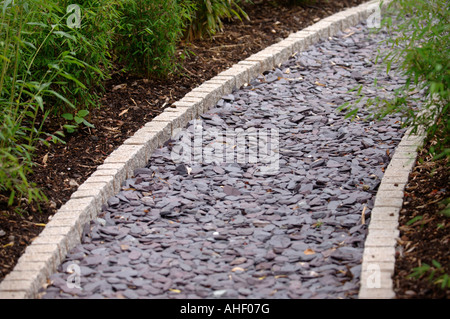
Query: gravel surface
x: 291, y: 225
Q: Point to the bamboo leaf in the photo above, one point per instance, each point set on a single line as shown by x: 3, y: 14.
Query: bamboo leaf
x: 40, y: 102
x: 65, y: 34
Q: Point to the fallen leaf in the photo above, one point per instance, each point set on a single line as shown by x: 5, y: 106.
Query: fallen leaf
x: 363, y: 215
x: 347, y: 35
x: 123, y: 112
x: 309, y: 252
x: 320, y: 84
x: 237, y: 269
x: 239, y: 260
x: 44, y: 160
x: 8, y: 245
x: 39, y: 224
x: 175, y: 290
x: 113, y: 129
x: 73, y: 183
x: 120, y: 86
x: 124, y: 247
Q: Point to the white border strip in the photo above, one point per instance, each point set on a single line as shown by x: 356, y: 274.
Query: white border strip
x: 63, y: 231
x: 379, y: 250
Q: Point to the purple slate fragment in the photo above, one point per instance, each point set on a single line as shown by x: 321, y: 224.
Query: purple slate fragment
x: 228, y: 229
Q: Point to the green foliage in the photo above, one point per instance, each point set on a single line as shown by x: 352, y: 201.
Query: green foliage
x: 46, y: 67
x: 445, y: 207
x: 298, y: 2
x: 209, y: 15
x: 148, y: 32
x: 419, y: 48
x: 78, y: 119
x: 415, y: 219
x: 442, y: 279
x: 77, y: 58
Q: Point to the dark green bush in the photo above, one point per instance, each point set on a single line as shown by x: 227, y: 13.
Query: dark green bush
x: 148, y: 33
x: 81, y: 55
x: 208, y: 16
x: 46, y: 68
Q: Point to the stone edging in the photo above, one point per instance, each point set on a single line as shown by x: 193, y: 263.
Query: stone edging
x: 379, y: 249
x: 64, y: 230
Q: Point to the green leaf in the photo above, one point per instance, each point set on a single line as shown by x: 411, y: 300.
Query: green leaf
x: 5, y: 58
x: 31, y: 45
x: 445, y: 281
x: 40, y: 102
x: 60, y: 133
x: 351, y: 114
x: 11, y: 197
x: 70, y: 128
x: 70, y: 77
x: 78, y: 120
x: 5, y: 5
x: 38, y: 24
x: 88, y: 124
x: 413, y: 220
x: 82, y: 113
x: 340, y: 108
x: 54, y: 66
x: 67, y: 116
x: 65, y: 34
x: 436, y: 264
x: 388, y: 67
x: 59, y: 96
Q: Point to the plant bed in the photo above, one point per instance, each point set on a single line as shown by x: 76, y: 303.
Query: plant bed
x: 424, y: 232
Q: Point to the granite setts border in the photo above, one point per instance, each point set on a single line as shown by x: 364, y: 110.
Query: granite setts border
x: 379, y: 248
x: 64, y: 230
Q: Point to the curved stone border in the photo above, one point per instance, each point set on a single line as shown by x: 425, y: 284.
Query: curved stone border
x: 379, y: 249
x: 63, y: 231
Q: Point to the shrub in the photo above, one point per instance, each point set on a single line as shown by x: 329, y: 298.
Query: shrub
x: 148, y: 33
x: 208, y: 16
x: 46, y: 68
x: 81, y: 55
x: 419, y: 48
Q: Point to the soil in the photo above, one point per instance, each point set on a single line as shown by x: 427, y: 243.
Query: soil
x: 130, y: 101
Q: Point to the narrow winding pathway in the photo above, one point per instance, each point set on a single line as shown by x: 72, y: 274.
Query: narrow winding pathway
x: 288, y: 221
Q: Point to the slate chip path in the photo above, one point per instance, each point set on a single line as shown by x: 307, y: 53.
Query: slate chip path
x: 226, y: 230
